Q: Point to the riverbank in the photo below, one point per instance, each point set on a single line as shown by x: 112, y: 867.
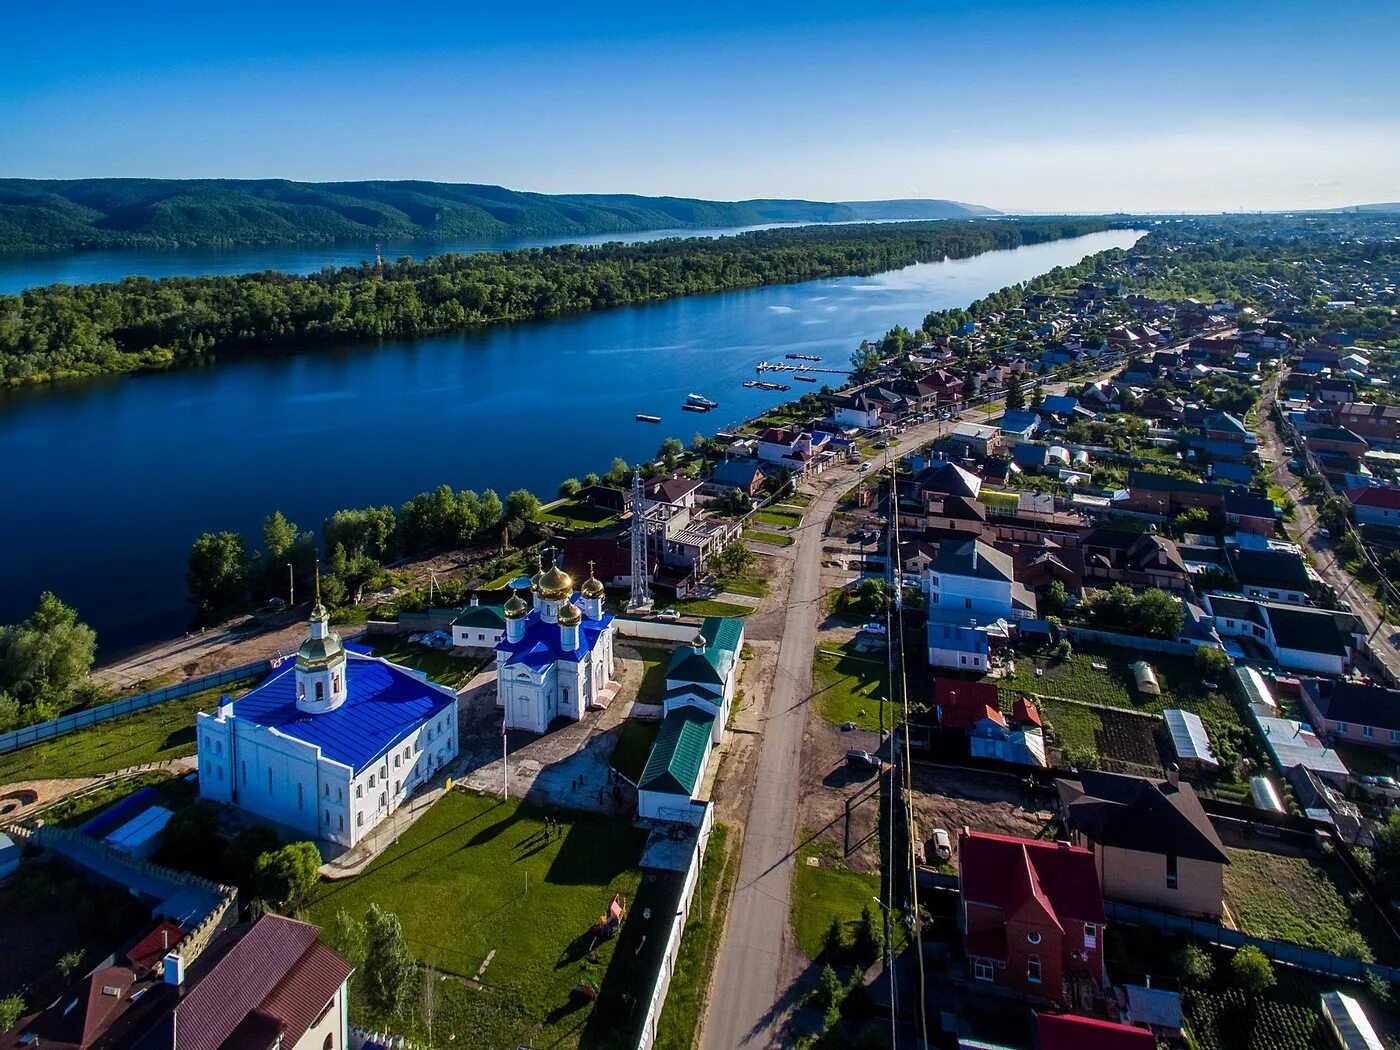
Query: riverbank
x: 61, y: 332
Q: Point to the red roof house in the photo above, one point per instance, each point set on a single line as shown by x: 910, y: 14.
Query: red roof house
x: 148, y: 952
x: 1033, y: 917
x: 961, y: 705
x: 1067, y: 1032
x: 1376, y: 506
x: 1024, y: 712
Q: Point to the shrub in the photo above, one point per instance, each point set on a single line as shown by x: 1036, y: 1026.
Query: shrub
x: 1253, y: 970
x: 11, y: 1007
x: 287, y: 876
x: 828, y: 991
x: 1212, y: 661
x: 1193, y: 964
x: 865, y: 948
x: 833, y: 942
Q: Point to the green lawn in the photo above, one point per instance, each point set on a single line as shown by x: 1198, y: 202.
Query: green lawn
x: 1076, y: 726
x: 751, y: 586
x: 799, y: 499
x: 633, y: 746
x: 687, y: 996
x: 782, y: 519
x: 710, y: 607
x: 850, y: 688
x: 443, y: 667
x: 1304, y: 900
x: 474, y: 876
x: 774, y: 538
x: 655, y: 660
x: 827, y: 890
x: 1077, y: 679
x: 570, y: 514
x: 154, y: 735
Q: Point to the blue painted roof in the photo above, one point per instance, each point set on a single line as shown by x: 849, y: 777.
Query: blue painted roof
x: 386, y: 703
x: 540, y: 645
x: 958, y: 638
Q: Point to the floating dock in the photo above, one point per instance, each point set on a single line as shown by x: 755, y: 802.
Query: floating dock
x: 778, y: 366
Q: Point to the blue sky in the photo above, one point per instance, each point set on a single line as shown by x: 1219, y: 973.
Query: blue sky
x: 1134, y: 104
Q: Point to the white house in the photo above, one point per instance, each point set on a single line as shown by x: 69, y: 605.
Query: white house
x: 478, y: 626
x: 556, y: 660
x: 790, y: 448
x: 859, y: 411
x: 1298, y: 638
x: 705, y: 673
x: 971, y: 583
x: 331, y: 743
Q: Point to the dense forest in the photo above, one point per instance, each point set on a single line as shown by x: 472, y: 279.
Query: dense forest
x: 113, y: 213
x: 67, y: 331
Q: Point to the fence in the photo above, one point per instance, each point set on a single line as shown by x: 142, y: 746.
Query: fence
x: 673, y: 941
x: 29, y: 735
x: 654, y: 630
x: 1131, y: 641
x: 1310, y: 959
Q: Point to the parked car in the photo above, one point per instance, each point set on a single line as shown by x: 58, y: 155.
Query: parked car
x: 1326, y: 534
x: 874, y: 628
x: 882, y: 444
x: 669, y: 614
x: 942, y: 845
x: 864, y: 467
x: 859, y: 759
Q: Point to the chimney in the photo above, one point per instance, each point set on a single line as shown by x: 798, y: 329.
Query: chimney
x: 476, y: 600
x: 225, y: 707
x: 174, y: 970
x: 1173, y: 775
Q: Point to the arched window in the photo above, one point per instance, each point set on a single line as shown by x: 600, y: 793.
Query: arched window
x: 320, y: 690
x: 337, y: 682
x: 329, y: 1044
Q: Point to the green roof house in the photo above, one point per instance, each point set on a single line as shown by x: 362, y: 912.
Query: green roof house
x: 704, y: 673
x: 479, y: 626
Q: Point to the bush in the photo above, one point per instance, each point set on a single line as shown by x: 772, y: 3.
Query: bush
x: 833, y: 942
x: 865, y: 947
x: 288, y: 875
x: 1193, y: 964
x: 828, y: 990
x: 1212, y: 661
x: 11, y: 1008
x: 1253, y: 970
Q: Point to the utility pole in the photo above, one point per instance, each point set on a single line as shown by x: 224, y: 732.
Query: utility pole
x: 291, y: 586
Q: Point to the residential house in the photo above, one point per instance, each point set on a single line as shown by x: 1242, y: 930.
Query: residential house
x: 955, y: 647
x: 942, y: 478
x: 972, y: 583
x: 978, y: 440
x: 1334, y: 391
x: 1167, y: 496
x: 1032, y: 915
x: 705, y: 673
x: 1299, y: 639
x: 972, y: 707
x: 1275, y: 574
x: 1376, y: 506
x: 479, y: 626
x: 1152, y: 842
x: 610, y: 559
x: 1250, y: 512
x: 946, y: 388
x: 746, y: 475
x: 605, y: 497
x: 1335, y: 441
x: 859, y: 411
x: 1354, y: 712
x: 674, y: 493
x: 1226, y: 437
x: 1138, y: 559
x: 1018, y: 426
x: 1376, y: 424
x: 792, y: 449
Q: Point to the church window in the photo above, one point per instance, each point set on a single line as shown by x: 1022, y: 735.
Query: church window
x: 336, y: 682
x: 407, y: 752
x: 320, y: 690
x: 359, y: 820
x: 417, y: 745
x: 397, y: 761
x: 359, y: 791
x: 328, y: 791
x: 220, y: 771
x: 383, y: 800
x: 340, y: 823
x: 339, y: 796
x: 371, y: 780
x: 245, y: 771
x: 398, y: 785
x: 328, y: 818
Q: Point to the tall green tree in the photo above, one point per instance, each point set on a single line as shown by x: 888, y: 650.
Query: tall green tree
x: 390, y: 973
x: 217, y: 573
x: 47, y: 655
x: 286, y: 877
x: 1015, y: 397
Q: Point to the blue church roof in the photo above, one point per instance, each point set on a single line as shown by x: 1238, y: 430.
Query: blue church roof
x: 385, y: 703
x: 540, y: 645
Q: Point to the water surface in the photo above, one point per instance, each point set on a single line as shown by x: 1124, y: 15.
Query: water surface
x: 108, y: 482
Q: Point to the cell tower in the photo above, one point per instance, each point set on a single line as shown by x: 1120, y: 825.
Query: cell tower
x: 641, y: 593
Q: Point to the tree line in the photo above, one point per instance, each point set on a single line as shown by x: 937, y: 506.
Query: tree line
x: 66, y: 331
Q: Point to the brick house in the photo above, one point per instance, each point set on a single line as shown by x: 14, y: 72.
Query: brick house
x: 1032, y: 915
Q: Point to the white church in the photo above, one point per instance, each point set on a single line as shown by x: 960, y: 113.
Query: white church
x: 331, y: 743
x: 556, y: 659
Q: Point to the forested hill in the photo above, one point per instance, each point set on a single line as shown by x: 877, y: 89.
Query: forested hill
x: 65, y: 331
x: 108, y: 213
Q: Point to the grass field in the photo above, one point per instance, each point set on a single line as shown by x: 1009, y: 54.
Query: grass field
x: 710, y: 607
x: 1225, y: 1018
x: 827, y: 890
x: 475, y: 876
x: 74, y: 812
x: 780, y: 518
x: 773, y: 538
x: 570, y: 514
x: 1304, y: 900
x: 686, y: 998
x: 799, y: 499
x: 154, y: 735
x: 444, y: 668
x: 655, y: 660
x: 750, y: 586
x: 850, y: 688
x: 634, y: 743
x: 1077, y: 679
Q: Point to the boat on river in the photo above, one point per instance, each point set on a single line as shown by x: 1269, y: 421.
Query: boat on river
x: 804, y: 379
x: 803, y: 357
x: 699, y: 403
x: 642, y: 417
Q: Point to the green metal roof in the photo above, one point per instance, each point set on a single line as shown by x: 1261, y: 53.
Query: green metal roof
x: 723, y: 636
x: 484, y: 616
x: 678, y: 757
x: 1227, y: 422
x: 722, y: 632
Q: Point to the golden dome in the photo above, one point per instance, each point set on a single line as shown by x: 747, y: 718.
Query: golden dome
x: 570, y: 615
x: 535, y: 579
x: 592, y: 587
x: 555, y: 583
x: 516, y: 608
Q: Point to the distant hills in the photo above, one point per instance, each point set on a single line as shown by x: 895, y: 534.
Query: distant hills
x: 103, y: 213
x: 1392, y: 206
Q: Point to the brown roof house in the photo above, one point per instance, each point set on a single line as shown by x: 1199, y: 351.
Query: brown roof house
x: 1152, y: 842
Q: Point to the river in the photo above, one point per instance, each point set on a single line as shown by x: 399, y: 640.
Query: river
x: 107, y: 482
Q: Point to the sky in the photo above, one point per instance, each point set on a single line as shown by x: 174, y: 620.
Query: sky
x: 1022, y: 105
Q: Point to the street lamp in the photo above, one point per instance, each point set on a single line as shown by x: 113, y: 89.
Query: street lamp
x: 291, y: 587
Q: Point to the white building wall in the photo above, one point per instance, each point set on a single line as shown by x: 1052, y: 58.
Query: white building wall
x: 332, y: 1024
x: 955, y: 659
x: 1301, y: 660
x: 1275, y: 595
x: 476, y: 637
x: 962, y: 599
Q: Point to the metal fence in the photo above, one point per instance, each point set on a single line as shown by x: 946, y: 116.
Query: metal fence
x: 29, y: 735
x: 1132, y: 641
x: 1310, y: 959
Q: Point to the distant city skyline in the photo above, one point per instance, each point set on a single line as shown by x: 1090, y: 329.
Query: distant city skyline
x: 1084, y: 106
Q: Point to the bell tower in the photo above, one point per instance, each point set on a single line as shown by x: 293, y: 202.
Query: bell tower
x: 320, y: 672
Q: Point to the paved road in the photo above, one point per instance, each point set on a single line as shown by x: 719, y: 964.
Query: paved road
x: 1304, y: 529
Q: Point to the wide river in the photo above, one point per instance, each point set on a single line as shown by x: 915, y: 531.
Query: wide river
x: 106, y: 483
